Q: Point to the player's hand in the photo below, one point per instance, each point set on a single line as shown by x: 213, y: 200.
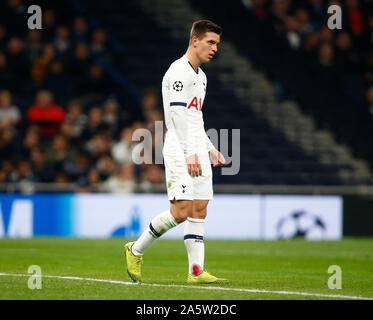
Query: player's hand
x: 194, y: 167
x: 216, y: 158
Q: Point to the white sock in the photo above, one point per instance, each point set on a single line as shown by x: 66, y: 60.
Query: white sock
x: 158, y: 226
x: 193, y: 239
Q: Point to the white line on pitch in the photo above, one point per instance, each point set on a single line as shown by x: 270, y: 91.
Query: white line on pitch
x: 194, y: 287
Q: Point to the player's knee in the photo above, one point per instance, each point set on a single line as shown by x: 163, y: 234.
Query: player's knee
x: 181, y: 210
x: 181, y: 218
x: 182, y: 215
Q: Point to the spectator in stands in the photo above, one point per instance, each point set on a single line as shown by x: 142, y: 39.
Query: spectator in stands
x: 58, y: 82
x: 95, y: 86
x: 122, y: 150
x: 303, y: 18
x: 47, y: 115
x: 9, y: 113
x: 60, y: 152
x: 33, y: 44
x: 93, y: 177
x: 150, y: 100
x: 152, y: 175
x: 326, y: 35
x: 326, y: 55
x: 355, y: 16
x: 49, y: 143
x: 41, y: 64
x: 61, y: 178
x: 7, y: 142
x: 15, y: 15
x: 105, y: 166
x: 278, y: 13
x: 292, y: 32
x: 80, y: 62
x: 8, y: 170
x: 49, y: 25
x: 80, y: 30
x: 310, y: 42
x: 95, y: 123
x: 76, y: 168
x: 3, y: 175
x: 111, y: 114
x: 67, y: 129
x: 89, y: 183
x: 98, y: 146
x: 153, y: 116
x: 62, y: 41
x: 42, y: 169
x: 24, y: 172
x: 317, y: 11
x: 346, y: 56
x: 98, y: 45
x: 123, y: 181
x: 256, y: 7
x: 30, y: 141
x: 76, y: 117
x: 17, y: 59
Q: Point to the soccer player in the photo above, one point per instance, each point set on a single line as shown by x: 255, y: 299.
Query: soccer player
x: 188, y: 154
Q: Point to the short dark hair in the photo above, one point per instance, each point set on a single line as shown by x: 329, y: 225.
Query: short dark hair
x: 200, y: 27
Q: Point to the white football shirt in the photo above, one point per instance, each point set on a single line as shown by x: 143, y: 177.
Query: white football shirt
x: 183, y: 92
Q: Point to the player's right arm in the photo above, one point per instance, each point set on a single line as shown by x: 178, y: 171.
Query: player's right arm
x: 186, y: 129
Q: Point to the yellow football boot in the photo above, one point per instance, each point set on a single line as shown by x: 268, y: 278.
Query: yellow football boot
x: 133, y: 263
x: 204, y: 278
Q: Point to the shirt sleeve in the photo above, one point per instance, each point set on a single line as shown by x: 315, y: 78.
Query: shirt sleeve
x: 209, y: 144
x: 178, y: 85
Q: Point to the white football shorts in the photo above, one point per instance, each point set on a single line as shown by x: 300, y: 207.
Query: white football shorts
x: 181, y: 185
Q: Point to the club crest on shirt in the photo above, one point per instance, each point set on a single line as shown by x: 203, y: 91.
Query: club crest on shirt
x: 177, y: 86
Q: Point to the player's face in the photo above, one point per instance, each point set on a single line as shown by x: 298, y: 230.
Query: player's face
x: 207, y: 46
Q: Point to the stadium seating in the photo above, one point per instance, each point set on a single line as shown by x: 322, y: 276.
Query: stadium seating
x: 279, y: 145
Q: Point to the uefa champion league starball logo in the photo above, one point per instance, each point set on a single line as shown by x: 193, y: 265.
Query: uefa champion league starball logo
x: 177, y: 86
x: 301, y: 224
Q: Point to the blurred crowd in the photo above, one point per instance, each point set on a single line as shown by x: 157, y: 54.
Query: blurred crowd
x: 73, y: 129
x: 347, y: 52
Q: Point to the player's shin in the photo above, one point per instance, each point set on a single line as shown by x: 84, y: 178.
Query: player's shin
x: 158, y: 226
x: 193, y: 239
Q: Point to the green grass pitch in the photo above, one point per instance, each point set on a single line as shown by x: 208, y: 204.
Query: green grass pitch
x: 287, y: 265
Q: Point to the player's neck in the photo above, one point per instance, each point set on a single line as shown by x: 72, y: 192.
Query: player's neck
x: 193, y: 60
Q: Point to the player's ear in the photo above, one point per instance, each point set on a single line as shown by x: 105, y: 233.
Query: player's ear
x: 194, y: 41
